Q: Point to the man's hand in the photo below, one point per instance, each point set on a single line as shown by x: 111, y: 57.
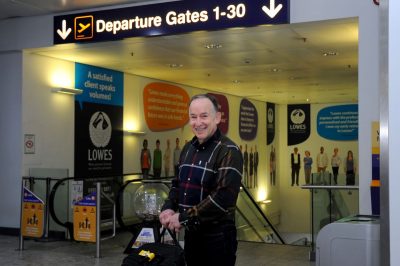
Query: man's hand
x: 174, y: 224
x: 165, y: 217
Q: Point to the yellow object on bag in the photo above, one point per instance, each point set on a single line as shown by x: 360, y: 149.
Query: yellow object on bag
x: 148, y: 254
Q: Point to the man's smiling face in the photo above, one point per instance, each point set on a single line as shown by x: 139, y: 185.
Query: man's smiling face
x: 204, y: 119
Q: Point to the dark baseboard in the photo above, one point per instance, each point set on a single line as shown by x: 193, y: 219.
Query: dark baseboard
x: 8, y: 231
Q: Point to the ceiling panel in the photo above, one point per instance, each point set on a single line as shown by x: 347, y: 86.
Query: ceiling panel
x: 281, y: 63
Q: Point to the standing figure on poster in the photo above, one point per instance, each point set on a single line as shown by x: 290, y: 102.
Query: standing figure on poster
x: 203, y: 197
x: 350, y: 169
x: 272, y: 166
x: 145, y: 160
x: 322, y: 163
x: 167, y: 159
x: 295, y: 163
x: 157, y: 163
x: 177, y: 153
x: 335, y: 162
x: 307, y: 166
x: 251, y: 167
x: 256, y: 160
x: 246, y: 166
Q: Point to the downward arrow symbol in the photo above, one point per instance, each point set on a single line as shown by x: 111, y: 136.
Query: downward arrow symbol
x: 64, y: 32
x: 272, y: 10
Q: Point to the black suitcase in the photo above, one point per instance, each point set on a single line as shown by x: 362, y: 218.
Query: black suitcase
x: 157, y: 253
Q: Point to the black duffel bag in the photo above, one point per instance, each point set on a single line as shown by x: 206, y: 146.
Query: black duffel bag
x: 158, y: 253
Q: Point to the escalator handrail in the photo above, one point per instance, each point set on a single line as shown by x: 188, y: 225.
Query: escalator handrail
x: 251, y: 226
x: 262, y: 213
x: 69, y: 225
x: 118, y: 204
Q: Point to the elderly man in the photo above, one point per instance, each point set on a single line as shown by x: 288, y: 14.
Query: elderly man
x: 203, y: 196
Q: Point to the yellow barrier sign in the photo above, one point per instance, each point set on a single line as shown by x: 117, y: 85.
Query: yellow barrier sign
x: 32, y: 215
x: 85, y: 219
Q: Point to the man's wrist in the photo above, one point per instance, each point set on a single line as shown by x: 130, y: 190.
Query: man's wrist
x: 189, y: 222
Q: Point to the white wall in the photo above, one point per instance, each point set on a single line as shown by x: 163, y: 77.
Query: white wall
x: 48, y: 115
x: 11, y: 138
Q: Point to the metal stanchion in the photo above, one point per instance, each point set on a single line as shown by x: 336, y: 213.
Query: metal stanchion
x: 46, y: 214
x: 114, y: 219
x: 21, y: 237
x: 98, y: 218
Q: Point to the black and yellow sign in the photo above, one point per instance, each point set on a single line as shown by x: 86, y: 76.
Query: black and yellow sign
x: 168, y: 19
x: 85, y: 219
x: 32, y: 215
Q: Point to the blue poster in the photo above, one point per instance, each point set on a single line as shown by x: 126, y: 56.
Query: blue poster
x: 30, y: 197
x: 89, y: 200
x: 99, y: 85
x: 338, y: 122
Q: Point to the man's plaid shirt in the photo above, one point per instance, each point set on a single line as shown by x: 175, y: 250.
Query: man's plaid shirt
x: 208, y: 181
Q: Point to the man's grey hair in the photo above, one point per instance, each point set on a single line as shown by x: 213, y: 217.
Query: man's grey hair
x: 212, y: 99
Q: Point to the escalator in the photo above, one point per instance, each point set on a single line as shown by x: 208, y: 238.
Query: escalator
x: 252, y: 223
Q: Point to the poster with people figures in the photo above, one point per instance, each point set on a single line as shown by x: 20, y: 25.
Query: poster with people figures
x: 250, y: 166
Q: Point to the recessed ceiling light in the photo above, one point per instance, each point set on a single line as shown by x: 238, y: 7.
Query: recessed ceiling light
x: 314, y: 84
x: 247, y: 61
x: 236, y: 81
x: 175, y: 65
x: 213, y: 46
x: 330, y: 53
x: 275, y: 69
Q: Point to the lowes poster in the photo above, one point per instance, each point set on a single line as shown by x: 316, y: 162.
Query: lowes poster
x: 298, y: 117
x: 270, y: 122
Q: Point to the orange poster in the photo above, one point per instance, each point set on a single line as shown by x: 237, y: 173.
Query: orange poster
x: 32, y: 215
x: 165, y: 106
x: 85, y: 219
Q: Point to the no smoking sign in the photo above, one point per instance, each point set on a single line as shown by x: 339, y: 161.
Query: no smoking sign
x: 29, y: 144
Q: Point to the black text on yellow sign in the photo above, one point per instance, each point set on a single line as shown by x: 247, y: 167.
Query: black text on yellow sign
x: 85, y: 223
x: 32, y: 219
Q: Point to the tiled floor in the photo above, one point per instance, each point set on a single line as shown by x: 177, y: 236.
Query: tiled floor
x: 63, y: 253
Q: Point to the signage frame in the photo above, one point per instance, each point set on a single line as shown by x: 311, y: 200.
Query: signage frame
x: 167, y: 18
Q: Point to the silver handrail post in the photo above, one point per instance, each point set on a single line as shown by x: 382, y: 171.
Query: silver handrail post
x: 114, y: 216
x: 47, y: 211
x: 98, y: 218
x: 21, y: 237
